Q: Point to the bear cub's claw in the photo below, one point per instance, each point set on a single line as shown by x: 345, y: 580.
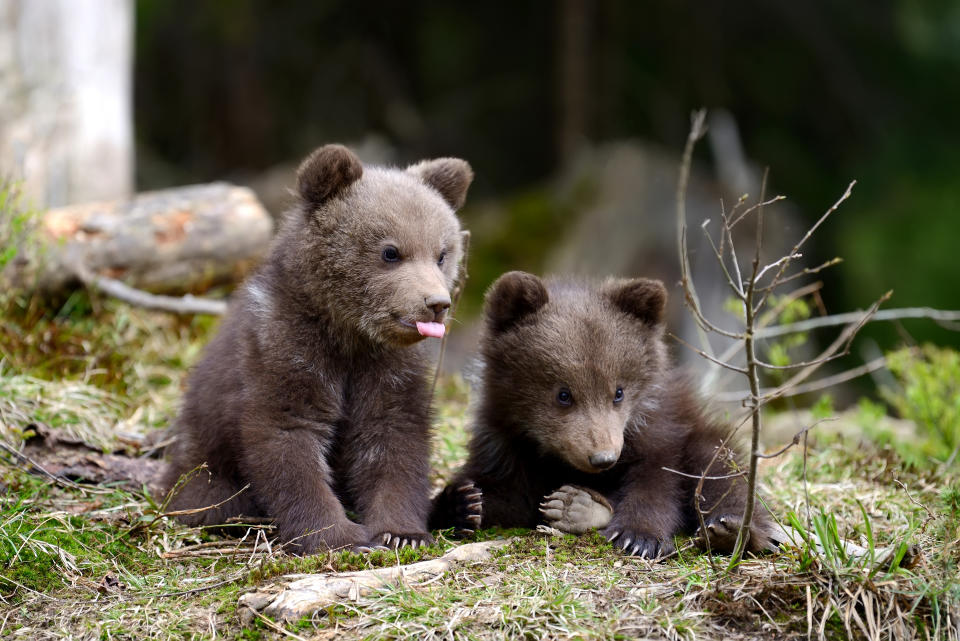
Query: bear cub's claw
x: 460, y: 506
x: 469, y: 508
x: 576, y: 510
x: 722, y: 535
x: 392, y: 541
x: 641, y: 544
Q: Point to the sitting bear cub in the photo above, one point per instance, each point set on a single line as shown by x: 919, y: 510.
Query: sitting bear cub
x: 313, y: 399
x: 582, y: 423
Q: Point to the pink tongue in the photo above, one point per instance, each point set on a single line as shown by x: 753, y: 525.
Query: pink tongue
x: 431, y: 329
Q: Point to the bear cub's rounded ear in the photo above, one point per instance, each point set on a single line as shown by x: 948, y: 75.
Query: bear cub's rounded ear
x: 639, y: 297
x: 449, y: 176
x: 327, y: 172
x: 512, y: 297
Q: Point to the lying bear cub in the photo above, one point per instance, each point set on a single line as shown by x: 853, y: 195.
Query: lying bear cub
x: 313, y: 398
x: 582, y: 423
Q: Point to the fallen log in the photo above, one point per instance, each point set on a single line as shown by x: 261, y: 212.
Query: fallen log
x: 302, y: 595
x: 174, y: 241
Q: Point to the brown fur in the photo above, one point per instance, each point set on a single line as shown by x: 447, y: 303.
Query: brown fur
x: 590, y: 339
x: 314, y: 393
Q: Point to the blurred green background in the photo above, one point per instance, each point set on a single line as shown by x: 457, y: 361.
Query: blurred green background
x: 822, y: 93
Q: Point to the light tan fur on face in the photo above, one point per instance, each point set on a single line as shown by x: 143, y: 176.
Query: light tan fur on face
x: 583, y: 433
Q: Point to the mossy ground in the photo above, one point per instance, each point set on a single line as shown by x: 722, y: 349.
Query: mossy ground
x: 100, y: 562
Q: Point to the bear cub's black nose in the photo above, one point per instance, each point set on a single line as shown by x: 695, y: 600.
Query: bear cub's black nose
x: 603, y: 460
x: 439, y: 303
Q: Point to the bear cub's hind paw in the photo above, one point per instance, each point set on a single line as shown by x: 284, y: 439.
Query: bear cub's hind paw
x: 646, y: 546
x: 393, y: 541
x: 722, y: 531
x: 576, y: 510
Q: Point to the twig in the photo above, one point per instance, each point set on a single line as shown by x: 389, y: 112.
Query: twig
x: 31, y: 590
x: 707, y: 356
x: 23, y: 458
x: 736, y: 286
x: 796, y: 438
x: 707, y: 478
x: 806, y: 237
x: 849, y: 317
x: 843, y: 339
x: 752, y: 208
x: 806, y: 271
x: 930, y: 515
x: 697, y: 130
x: 167, y: 595
x: 753, y: 375
x: 187, y: 304
x: 765, y: 319
x: 828, y: 381
x: 197, y: 510
x: 276, y: 628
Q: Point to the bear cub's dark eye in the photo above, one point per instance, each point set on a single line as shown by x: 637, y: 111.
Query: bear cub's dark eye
x: 390, y: 254
x: 564, y: 397
x: 618, y: 395
x: 443, y: 255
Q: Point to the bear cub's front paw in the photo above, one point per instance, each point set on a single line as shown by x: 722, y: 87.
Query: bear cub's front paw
x: 468, y: 508
x: 635, y: 543
x: 576, y: 510
x: 722, y: 534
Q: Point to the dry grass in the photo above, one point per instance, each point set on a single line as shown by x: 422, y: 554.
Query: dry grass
x: 76, y: 564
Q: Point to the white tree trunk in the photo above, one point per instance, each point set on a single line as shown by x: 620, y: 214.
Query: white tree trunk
x: 65, y: 99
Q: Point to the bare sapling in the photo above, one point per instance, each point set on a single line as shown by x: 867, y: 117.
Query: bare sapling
x: 752, y: 288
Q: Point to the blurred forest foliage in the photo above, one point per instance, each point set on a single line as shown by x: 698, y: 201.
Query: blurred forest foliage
x: 823, y: 92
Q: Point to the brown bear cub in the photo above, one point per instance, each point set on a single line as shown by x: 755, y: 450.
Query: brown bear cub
x: 312, y: 400
x: 583, y: 423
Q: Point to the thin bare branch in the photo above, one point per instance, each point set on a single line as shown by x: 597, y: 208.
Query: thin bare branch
x: 805, y: 272
x: 697, y: 130
x: 806, y: 237
x: 813, y: 386
x: 818, y: 361
x: 754, y: 207
x: 735, y: 286
x: 733, y: 249
x: 59, y: 480
x: 704, y: 324
x: 843, y: 339
x: 772, y: 314
x: 777, y: 263
x: 796, y: 438
x: 187, y: 304
x: 735, y: 475
x: 765, y: 319
x: 708, y: 357
x: 930, y: 515
x: 849, y: 317
x: 197, y: 510
x: 753, y: 375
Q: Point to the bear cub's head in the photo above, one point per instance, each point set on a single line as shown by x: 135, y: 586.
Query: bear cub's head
x: 574, y: 366
x: 377, y: 248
